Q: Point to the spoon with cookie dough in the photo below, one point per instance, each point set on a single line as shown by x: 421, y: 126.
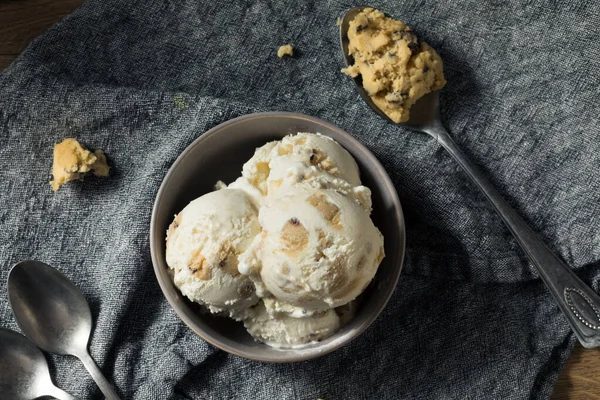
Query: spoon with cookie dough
x: 399, y: 77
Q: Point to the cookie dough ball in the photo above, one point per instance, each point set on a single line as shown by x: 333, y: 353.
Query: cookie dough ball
x: 72, y: 161
x: 285, y: 50
x: 397, y: 68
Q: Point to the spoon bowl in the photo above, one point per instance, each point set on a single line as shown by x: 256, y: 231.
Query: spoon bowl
x: 34, y: 286
x: 578, y: 302
x: 423, y: 114
x: 54, y: 314
x: 24, y: 371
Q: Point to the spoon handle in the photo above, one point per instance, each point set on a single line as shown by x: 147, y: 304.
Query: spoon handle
x: 579, y: 303
x: 60, y: 394
x: 97, y: 376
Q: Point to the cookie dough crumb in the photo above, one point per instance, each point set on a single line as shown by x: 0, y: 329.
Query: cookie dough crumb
x: 285, y: 50
x: 72, y: 161
x: 338, y: 22
x: 396, y: 67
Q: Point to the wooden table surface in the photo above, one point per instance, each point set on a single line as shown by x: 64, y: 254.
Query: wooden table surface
x: 21, y: 21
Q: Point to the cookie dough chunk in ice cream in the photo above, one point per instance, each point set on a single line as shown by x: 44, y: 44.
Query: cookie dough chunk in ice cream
x: 396, y: 67
x: 203, y: 245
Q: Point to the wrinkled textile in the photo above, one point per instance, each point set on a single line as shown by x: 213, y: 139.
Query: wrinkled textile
x: 470, y: 318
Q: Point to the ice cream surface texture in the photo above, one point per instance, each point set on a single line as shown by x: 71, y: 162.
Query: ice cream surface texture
x: 203, y: 244
x: 280, y: 329
x: 319, y: 249
x: 319, y: 151
x: 285, y: 247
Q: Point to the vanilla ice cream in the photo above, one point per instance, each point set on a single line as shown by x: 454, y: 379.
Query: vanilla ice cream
x: 286, y: 174
x: 243, y: 184
x: 203, y: 244
x: 318, y: 248
x: 316, y: 150
x: 279, y: 329
x: 286, y: 248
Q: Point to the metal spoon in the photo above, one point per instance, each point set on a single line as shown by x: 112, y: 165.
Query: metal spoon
x: 579, y: 303
x: 53, y: 313
x: 24, y: 373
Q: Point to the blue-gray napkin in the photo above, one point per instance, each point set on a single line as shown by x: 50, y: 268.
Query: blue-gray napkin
x: 470, y: 318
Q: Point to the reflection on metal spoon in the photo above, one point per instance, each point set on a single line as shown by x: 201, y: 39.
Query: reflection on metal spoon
x: 54, y: 314
x: 24, y: 373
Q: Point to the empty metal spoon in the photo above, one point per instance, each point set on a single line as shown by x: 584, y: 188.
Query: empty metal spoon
x: 24, y: 373
x: 54, y: 314
x: 579, y: 303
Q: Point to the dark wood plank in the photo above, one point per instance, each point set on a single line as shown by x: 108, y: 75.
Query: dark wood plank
x: 5, y: 61
x: 21, y: 21
x: 580, y: 378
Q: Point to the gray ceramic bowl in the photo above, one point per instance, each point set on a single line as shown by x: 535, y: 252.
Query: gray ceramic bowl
x: 220, y: 154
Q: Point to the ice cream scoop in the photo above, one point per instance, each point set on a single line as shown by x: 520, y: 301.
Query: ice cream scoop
x: 318, y: 250
x: 203, y: 244
x: 316, y: 150
x: 283, y: 245
x: 279, y: 329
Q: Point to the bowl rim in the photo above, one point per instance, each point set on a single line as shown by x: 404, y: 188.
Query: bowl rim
x: 298, y: 354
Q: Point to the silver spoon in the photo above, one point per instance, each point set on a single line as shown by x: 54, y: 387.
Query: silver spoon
x: 579, y: 303
x: 24, y: 373
x: 53, y: 313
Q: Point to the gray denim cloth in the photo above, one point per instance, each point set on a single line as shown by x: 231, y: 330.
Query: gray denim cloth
x: 470, y: 318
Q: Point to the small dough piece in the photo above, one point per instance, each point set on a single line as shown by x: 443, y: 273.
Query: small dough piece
x: 396, y: 67
x: 285, y: 50
x: 72, y: 161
